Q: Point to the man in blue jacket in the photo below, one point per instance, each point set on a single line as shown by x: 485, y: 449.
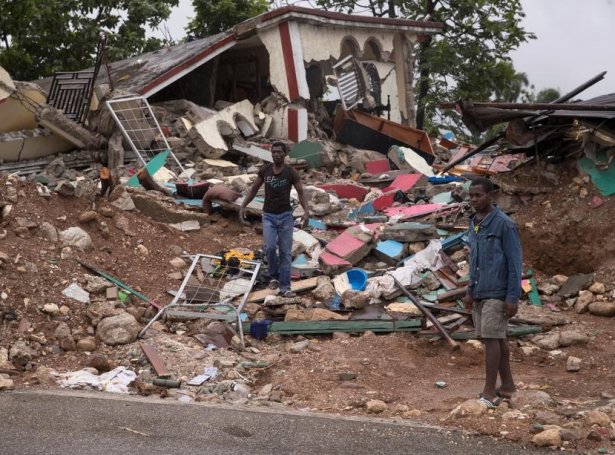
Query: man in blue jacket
x: 494, y: 287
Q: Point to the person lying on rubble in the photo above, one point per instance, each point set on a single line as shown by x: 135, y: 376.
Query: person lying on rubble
x: 278, y: 221
x: 494, y: 287
x: 221, y: 192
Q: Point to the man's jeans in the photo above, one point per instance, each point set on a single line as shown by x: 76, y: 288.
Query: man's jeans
x: 278, y: 234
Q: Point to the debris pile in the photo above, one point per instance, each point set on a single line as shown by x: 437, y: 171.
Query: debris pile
x: 125, y: 269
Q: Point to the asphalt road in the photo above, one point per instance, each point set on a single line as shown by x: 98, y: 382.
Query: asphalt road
x: 34, y: 422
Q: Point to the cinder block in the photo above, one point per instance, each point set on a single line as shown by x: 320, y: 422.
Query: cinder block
x: 389, y: 251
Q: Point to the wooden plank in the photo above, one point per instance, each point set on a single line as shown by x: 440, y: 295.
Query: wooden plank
x: 445, y: 319
x: 445, y: 281
x: 295, y: 286
x: 452, y: 295
x: 156, y: 361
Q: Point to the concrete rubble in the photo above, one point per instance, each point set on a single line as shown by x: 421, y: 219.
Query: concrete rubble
x: 400, y: 222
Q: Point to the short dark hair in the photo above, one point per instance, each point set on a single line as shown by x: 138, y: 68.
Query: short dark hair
x: 281, y: 145
x: 484, y: 182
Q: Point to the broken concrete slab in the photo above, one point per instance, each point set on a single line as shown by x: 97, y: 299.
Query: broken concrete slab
x: 403, y: 182
x: 308, y: 241
x: 348, y: 247
x: 207, y: 135
x: 409, y: 232
x: 377, y: 166
x: 30, y: 144
x: 406, y: 212
x: 389, y: 251
x: 187, y: 226
x: 407, y: 159
x: 253, y: 150
x: 155, y: 209
x: 56, y: 122
x: 347, y: 190
x: 330, y: 264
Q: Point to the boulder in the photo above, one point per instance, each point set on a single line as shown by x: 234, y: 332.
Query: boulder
x: 324, y: 289
x: 20, y: 353
x: 86, y: 344
x: 469, y: 408
x: 597, y: 288
x: 548, y: 438
x: 76, y: 237
x: 355, y: 299
x: 530, y: 398
x: 48, y: 232
x: 120, y: 329
x: 582, y: 302
x: 548, y: 341
x: 375, y: 406
x: 6, y: 383
x: 572, y: 338
x: 599, y: 418
x: 573, y: 364
x: 606, y: 309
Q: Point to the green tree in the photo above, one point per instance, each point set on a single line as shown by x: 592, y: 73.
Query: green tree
x: 546, y: 95
x: 215, y: 16
x: 40, y: 37
x: 468, y: 59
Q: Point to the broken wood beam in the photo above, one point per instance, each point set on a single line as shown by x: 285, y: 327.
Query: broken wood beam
x: 452, y: 295
x: 147, y: 182
x: 325, y: 327
x: 156, y: 361
x: 427, y: 314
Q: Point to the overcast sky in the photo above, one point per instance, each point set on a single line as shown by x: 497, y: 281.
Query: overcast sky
x: 575, y: 41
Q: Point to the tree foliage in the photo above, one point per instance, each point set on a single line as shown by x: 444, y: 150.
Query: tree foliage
x: 468, y: 59
x: 546, y: 95
x: 40, y: 37
x: 215, y: 16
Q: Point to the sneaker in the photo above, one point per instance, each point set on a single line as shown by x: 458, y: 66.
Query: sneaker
x: 288, y: 294
x: 274, y: 284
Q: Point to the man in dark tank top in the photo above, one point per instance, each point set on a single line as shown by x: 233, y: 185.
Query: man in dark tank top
x: 278, y: 222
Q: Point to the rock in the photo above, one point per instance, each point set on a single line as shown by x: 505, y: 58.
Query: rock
x: 582, y: 302
x: 43, y: 375
x: 340, y: 335
x: 576, y: 283
x: 20, y: 353
x: 74, y: 291
x: 88, y: 216
x: 597, y: 288
x: 546, y: 418
x: 67, y: 343
x: 123, y: 224
x: 413, y: 413
x: 51, y: 309
x: 409, y: 232
x: 355, y: 299
x: 100, y: 309
x: 240, y: 391
x: 265, y: 390
x: 98, y: 361
x: 375, y: 406
x: 86, y: 345
x: 62, y: 331
x: 531, y: 398
x: 469, y: 408
x: 124, y: 202
x: 178, y: 263
x: 6, y: 383
x: 142, y: 250
x: 572, y: 338
x: 514, y: 415
x: 48, y: 231
x: 547, y: 341
x: 96, y: 284
x: 548, y: 438
x: 559, y: 279
x: 299, y: 346
x: 106, y: 211
x: 569, y: 434
x: 599, y: 434
x: 529, y: 350
x: 606, y: 309
x: 77, y: 237
x: 476, y: 345
x: 276, y: 396
x: 573, y: 364
x: 599, y: 418
x: 120, y: 329
x: 347, y: 376
x: 548, y: 288
x: 324, y: 289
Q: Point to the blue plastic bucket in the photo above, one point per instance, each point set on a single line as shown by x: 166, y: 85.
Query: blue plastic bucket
x: 357, y: 279
x: 260, y: 329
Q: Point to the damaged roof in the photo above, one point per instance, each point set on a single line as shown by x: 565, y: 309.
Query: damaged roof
x: 148, y: 73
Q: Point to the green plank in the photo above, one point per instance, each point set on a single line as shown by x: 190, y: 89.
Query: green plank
x: 153, y: 166
x: 309, y: 151
x: 320, y: 327
x: 533, y: 295
x: 513, y: 331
